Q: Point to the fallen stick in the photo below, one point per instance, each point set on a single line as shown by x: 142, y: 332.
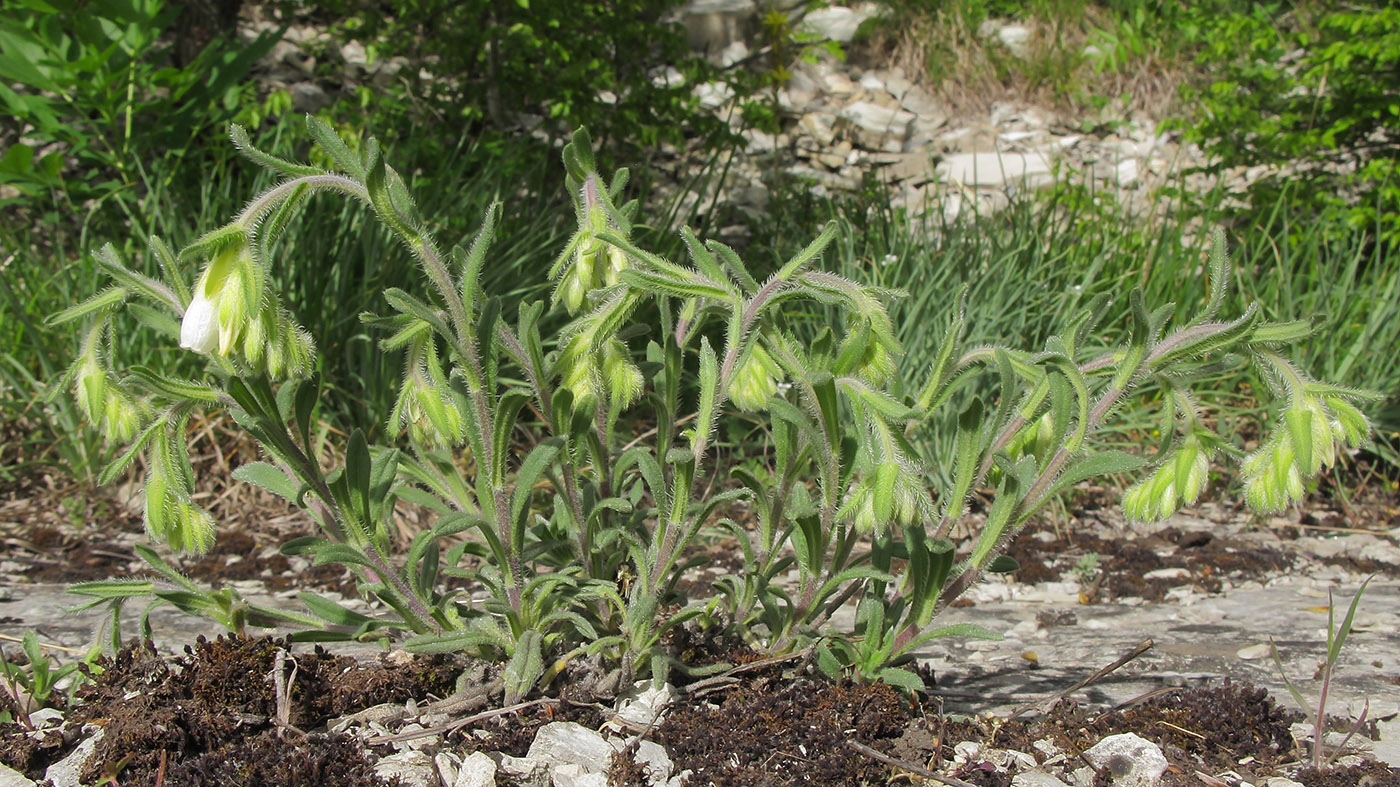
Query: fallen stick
x: 1142, y: 647
x: 918, y: 770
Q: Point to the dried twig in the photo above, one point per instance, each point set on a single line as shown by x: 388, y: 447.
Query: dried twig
x: 908, y: 766
x: 459, y: 723
x: 1142, y: 647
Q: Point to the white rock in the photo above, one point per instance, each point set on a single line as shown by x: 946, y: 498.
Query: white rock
x: 356, y: 59
x: 837, y: 23
x: 1252, y: 652
x: 1380, y: 552
x: 575, y: 776
x: 413, y: 768
x: 1014, y: 37
x: 45, y: 717
x: 65, y: 772
x: 713, y: 95
x: 736, y: 52
x: 524, y: 771
x: 878, y: 122
x: 9, y: 777
x: 835, y: 83
x: 308, y: 98
x: 477, y: 770
x: 1127, y: 174
x: 1133, y: 761
x: 1036, y: 779
x: 712, y: 24
x: 566, y: 742
x: 645, y: 705
x: 1164, y: 573
x: 652, y: 757
x: 819, y: 126
x: 1281, y: 781
x: 995, y: 169
x: 799, y: 92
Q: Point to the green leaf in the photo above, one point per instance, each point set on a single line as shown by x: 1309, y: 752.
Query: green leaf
x: 525, y: 667
x: 735, y: 265
x: 113, y: 589
x: 813, y: 250
x: 675, y: 287
x: 332, y: 145
x: 104, y: 301
x: 331, y: 611
x: 706, y: 411
x: 1334, y: 643
x: 175, y: 389
x: 271, y: 478
x: 165, y: 569
x: 969, y: 440
x: 538, y: 460
x: 902, y: 679
x: 265, y: 160
x: 358, y: 469
x: 121, y: 463
x: 1003, y: 564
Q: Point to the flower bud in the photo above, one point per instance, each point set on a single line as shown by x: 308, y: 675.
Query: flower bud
x: 194, y: 528
x: 616, y: 264
x: 90, y: 385
x: 755, y: 381
x: 157, y: 492
x: 219, y: 303
x: 124, y: 416
x: 1272, y: 479
x: 622, y: 377
x: 1349, y: 425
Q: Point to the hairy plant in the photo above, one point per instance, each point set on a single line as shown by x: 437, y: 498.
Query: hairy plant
x: 580, y: 532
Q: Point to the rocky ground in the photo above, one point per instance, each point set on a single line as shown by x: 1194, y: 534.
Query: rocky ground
x: 1152, y: 657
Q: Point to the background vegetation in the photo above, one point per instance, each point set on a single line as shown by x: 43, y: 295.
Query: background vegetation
x: 115, y: 112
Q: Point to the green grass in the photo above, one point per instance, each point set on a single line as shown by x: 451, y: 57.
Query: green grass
x: 331, y: 265
x: 1033, y: 265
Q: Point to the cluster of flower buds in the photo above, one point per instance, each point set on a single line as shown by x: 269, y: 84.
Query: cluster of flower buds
x: 892, y: 494
x: 170, y: 514
x: 878, y: 350
x: 1299, y: 447
x: 427, y: 406
x: 232, y: 312
x: 591, y: 373
x: 1177, y: 481
x: 591, y: 262
x: 755, y: 380
x: 104, y: 402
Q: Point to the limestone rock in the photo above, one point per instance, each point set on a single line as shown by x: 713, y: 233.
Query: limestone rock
x: 876, y: 127
x: 576, y: 776
x: 645, y: 705
x: 523, y: 771
x: 1133, y: 761
x: 412, y: 768
x: 65, y: 772
x: 837, y: 23
x: 712, y: 25
x: 1036, y: 779
x: 308, y: 98
x: 996, y: 169
x: 9, y: 777
x: 477, y: 770
x: 568, y: 743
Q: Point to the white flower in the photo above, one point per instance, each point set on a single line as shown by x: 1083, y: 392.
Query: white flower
x: 199, y: 331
